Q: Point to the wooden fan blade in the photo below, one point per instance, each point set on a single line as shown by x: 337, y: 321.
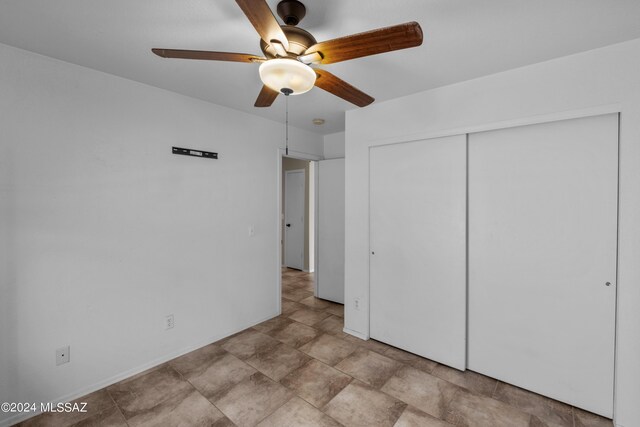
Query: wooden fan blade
x: 264, y: 22
x: 207, y: 55
x: 342, y: 89
x: 369, y: 43
x: 266, y: 97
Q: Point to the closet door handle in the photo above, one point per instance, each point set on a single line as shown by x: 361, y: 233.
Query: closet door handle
x: 288, y: 225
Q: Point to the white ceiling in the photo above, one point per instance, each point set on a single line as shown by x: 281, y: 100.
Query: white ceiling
x: 464, y: 39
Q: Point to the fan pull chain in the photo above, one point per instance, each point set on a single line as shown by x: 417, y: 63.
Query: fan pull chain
x: 286, y: 91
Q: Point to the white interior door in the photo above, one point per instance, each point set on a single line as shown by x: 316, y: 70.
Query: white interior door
x: 542, y: 246
x: 418, y: 247
x: 330, y: 268
x: 294, y: 219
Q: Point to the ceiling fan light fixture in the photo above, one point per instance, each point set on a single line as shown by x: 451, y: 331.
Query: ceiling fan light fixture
x: 285, y: 73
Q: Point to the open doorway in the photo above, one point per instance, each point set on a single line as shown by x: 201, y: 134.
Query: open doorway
x: 298, y: 250
x: 298, y: 214
x: 297, y: 231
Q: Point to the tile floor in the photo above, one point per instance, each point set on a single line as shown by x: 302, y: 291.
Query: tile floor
x: 301, y: 369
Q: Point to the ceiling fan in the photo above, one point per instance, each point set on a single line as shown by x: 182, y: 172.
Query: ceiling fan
x: 289, y: 52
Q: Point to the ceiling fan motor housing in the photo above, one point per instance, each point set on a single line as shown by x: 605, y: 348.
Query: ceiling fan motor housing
x: 299, y: 41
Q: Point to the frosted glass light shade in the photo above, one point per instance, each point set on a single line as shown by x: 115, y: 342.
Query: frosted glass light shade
x: 282, y: 73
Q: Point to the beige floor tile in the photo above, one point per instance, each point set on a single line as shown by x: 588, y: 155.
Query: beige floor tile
x: 111, y: 417
x: 421, y: 390
x: 301, y: 284
x: 289, y: 306
x: 252, y: 400
x: 297, y: 294
x: 316, y: 303
x: 297, y: 413
x: 333, y: 305
x: 188, y: 408
x: 290, y: 272
x: 412, y: 417
x: 333, y: 325
x: 472, y: 410
x: 551, y: 412
x: 336, y: 310
x: 290, y: 288
x: 308, y: 316
x: 295, y: 334
x: 369, y: 367
x: 271, y: 324
x: 587, y: 419
x: 316, y: 382
x: 97, y: 403
x: 196, y: 362
x: 472, y: 381
x: 290, y: 280
x: 360, y: 405
x: 276, y: 362
x: 411, y: 359
x: 247, y: 343
x: 143, y: 393
x: 221, y: 375
x: 373, y: 345
x: 328, y: 349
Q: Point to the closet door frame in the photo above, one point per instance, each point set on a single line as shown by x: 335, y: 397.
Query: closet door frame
x: 545, y: 117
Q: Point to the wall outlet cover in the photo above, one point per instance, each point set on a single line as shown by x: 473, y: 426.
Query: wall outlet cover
x: 63, y: 355
x: 169, y: 322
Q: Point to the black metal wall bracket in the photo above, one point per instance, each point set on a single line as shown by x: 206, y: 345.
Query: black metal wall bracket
x: 194, y: 153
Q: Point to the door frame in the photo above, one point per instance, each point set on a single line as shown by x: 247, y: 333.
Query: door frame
x: 284, y: 213
x: 615, y: 108
x: 280, y: 153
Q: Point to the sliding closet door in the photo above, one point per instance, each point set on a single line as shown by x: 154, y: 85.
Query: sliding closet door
x: 542, y: 258
x: 417, y: 220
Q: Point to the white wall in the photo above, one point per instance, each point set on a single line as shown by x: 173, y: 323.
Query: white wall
x: 334, y: 145
x: 110, y: 232
x: 606, y: 79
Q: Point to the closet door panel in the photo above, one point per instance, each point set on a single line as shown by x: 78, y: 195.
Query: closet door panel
x: 418, y: 258
x: 542, y: 248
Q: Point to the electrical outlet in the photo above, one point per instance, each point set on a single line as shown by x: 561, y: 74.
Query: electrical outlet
x: 169, y: 322
x: 356, y: 303
x: 62, y: 355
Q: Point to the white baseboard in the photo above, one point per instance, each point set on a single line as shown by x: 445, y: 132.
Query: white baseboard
x: 356, y: 334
